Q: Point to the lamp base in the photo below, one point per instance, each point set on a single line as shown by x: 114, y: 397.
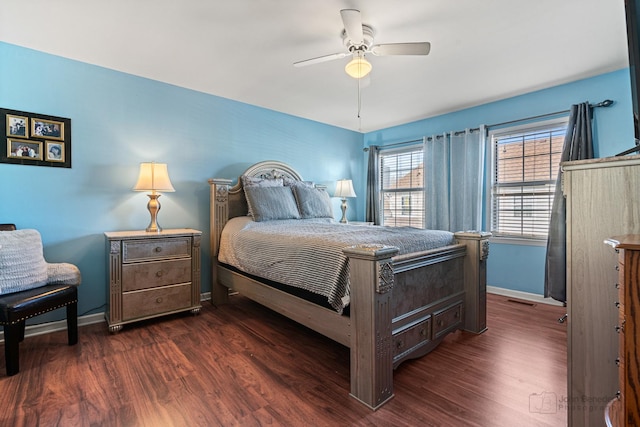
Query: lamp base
x: 154, y: 207
x: 343, y: 220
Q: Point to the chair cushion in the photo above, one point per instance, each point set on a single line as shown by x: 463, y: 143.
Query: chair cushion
x: 22, y: 264
x: 20, y: 306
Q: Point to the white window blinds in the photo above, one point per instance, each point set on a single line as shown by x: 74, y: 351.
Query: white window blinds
x: 402, y: 187
x: 526, y: 161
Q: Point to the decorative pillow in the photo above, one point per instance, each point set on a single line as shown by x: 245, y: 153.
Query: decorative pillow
x: 22, y: 265
x: 63, y: 274
x: 313, y: 202
x: 252, y: 181
x: 290, y: 182
x: 267, y: 203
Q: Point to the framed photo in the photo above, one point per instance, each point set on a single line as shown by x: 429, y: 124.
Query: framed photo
x: 34, y: 139
x: 24, y: 149
x: 17, y: 126
x: 54, y: 151
x: 48, y: 129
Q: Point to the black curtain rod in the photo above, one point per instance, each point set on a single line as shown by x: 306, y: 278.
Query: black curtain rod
x: 605, y: 103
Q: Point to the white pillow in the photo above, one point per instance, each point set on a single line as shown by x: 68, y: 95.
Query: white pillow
x: 22, y: 264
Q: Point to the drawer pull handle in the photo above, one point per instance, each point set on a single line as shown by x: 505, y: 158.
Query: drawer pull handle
x: 159, y: 300
x: 400, y: 344
x: 158, y: 249
x: 440, y: 322
x: 159, y: 273
x: 619, y: 329
x: 617, y: 361
x: 617, y: 285
x: 618, y: 394
x: 423, y: 332
x: 617, y: 304
x: 457, y: 314
x: 617, y: 268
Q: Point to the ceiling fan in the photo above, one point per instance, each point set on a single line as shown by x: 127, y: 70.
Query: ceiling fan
x: 358, y: 39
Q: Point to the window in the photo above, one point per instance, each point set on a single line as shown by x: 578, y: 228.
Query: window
x: 402, y: 187
x: 525, y: 162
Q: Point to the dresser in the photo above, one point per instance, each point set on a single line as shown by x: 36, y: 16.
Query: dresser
x: 602, y: 198
x: 624, y: 410
x: 152, y: 274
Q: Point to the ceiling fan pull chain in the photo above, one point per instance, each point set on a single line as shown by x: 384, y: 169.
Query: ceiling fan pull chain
x: 359, y: 99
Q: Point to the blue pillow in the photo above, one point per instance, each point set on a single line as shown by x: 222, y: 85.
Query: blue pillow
x: 313, y: 202
x: 269, y: 203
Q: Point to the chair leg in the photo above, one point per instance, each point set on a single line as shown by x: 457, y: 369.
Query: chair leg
x: 72, y: 323
x: 11, y: 348
x: 22, y: 326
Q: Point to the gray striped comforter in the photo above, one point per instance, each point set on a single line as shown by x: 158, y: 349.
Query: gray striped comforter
x: 307, y: 253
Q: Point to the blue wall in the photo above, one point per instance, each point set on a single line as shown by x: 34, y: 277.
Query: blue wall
x: 119, y: 120
x: 520, y: 267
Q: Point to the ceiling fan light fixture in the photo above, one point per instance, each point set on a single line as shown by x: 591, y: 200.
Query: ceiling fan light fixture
x: 358, y: 67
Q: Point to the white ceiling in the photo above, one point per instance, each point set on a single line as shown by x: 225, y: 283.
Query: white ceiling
x: 481, y: 50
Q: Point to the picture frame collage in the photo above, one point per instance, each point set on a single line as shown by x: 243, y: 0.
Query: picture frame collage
x: 35, y: 139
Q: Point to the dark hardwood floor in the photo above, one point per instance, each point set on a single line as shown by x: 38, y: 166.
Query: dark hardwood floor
x: 243, y: 365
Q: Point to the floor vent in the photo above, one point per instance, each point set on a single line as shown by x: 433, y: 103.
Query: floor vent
x: 530, y: 304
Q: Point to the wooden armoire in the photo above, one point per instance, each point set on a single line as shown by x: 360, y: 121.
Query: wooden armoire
x: 603, y: 200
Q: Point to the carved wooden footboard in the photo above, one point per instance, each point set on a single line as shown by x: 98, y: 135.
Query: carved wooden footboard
x: 401, y: 306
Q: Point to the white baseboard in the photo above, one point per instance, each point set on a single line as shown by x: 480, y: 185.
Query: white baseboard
x: 60, y: 325
x: 527, y: 296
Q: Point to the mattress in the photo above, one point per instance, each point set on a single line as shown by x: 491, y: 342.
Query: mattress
x: 307, y: 253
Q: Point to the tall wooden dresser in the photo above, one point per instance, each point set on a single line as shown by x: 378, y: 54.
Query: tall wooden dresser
x: 602, y: 201
x: 624, y: 410
x: 152, y: 274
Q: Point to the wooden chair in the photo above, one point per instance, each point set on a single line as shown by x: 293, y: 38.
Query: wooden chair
x: 17, y: 307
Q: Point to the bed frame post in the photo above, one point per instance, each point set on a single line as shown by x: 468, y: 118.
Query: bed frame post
x: 371, y: 281
x: 219, y: 209
x: 475, y: 279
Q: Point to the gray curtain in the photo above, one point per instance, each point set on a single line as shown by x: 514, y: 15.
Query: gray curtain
x: 578, y: 145
x: 373, y: 203
x: 454, y: 171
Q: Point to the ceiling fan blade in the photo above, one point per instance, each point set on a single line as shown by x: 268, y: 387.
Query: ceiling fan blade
x: 320, y: 59
x: 418, y: 48
x: 353, y: 25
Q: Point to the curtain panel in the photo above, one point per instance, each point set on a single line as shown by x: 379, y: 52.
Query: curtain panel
x: 454, y: 172
x: 578, y: 145
x: 372, y: 213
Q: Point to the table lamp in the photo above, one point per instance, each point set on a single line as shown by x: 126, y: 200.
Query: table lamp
x: 344, y: 189
x: 153, y: 177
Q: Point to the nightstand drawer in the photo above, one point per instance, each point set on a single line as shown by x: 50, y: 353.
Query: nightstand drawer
x: 150, y: 249
x: 151, y: 302
x: 446, y: 320
x: 154, y: 274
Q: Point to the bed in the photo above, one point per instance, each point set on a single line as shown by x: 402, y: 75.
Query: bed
x: 400, y: 304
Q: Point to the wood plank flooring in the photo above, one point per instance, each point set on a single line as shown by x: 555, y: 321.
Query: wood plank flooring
x: 244, y: 365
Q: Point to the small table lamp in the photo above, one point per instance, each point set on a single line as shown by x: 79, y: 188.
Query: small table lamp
x: 344, y: 189
x: 153, y: 177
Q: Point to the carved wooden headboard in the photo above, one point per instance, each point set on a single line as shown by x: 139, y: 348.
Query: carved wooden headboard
x: 228, y: 201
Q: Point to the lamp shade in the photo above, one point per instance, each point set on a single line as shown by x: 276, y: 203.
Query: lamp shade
x: 358, y: 67
x: 153, y: 177
x: 344, y: 188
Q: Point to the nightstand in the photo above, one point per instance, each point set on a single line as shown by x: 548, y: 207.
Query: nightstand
x: 152, y: 274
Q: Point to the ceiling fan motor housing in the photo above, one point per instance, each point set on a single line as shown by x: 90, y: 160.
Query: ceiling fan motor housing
x: 367, y: 39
